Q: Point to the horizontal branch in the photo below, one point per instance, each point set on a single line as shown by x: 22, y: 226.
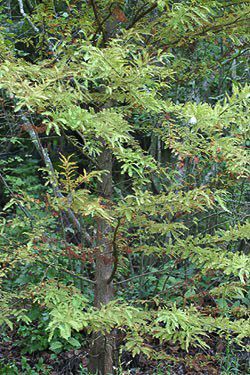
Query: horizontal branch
x: 142, y: 275
x: 66, y: 271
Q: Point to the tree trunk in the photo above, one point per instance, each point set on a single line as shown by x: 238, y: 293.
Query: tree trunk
x: 102, y: 346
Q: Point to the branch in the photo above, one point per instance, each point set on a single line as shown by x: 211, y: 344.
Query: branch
x: 214, y: 28
x: 36, y: 29
x: 142, y: 15
x: 20, y: 2
x: 66, y: 271
x: 99, y: 23
x: 45, y: 156
x: 144, y: 274
x: 103, y: 21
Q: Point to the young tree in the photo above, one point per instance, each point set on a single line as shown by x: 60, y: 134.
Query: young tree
x: 113, y: 78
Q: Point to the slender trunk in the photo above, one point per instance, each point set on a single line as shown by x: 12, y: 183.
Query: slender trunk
x: 102, y: 346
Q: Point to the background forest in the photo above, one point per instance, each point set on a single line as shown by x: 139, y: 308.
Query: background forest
x: 124, y: 195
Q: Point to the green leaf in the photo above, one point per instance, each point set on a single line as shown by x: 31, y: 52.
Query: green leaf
x: 55, y: 346
x: 74, y: 342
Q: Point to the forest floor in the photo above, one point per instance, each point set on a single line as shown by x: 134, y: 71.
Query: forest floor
x: 216, y: 361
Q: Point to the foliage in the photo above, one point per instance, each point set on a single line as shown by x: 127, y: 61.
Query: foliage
x: 126, y: 127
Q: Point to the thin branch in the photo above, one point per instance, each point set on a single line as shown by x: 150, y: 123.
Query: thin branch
x: 20, y: 2
x: 99, y: 23
x: 36, y: 29
x: 213, y: 28
x: 142, y: 275
x: 103, y: 21
x: 66, y: 271
x: 142, y: 15
x: 47, y: 161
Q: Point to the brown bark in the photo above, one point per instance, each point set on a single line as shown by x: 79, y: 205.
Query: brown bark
x: 102, y: 346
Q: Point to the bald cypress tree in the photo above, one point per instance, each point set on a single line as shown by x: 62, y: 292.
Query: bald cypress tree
x: 157, y: 133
